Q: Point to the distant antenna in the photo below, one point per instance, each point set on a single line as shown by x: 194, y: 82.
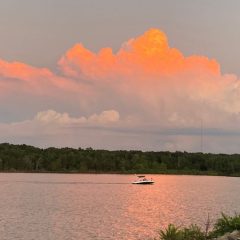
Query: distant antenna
x: 201, y: 135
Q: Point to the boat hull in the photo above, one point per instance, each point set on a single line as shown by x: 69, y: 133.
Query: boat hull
x: 143, y: 182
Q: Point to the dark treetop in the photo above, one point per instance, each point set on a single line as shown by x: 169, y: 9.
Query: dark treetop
x: 23, y: 158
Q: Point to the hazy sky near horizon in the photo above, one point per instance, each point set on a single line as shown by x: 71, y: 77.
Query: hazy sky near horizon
x: 121, y: 74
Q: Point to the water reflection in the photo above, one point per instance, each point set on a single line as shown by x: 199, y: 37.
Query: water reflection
x: 88, y: 206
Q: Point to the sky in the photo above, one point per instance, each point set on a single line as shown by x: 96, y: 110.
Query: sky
x: 148, y: 75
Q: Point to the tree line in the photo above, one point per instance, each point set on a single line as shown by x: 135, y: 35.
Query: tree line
x: 24, y: 158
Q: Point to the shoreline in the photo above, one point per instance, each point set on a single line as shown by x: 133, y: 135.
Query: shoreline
x: 30, y: 159
x: 128, y: 173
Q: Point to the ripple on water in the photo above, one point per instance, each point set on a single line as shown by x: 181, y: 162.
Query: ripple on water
x: 101, y: 207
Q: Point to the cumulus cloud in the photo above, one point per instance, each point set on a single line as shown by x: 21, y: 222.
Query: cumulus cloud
x: 157, y: 82
x: 51, y: 128
x: 148, y: 55
x: 152, y: 84
x: 53, y: 117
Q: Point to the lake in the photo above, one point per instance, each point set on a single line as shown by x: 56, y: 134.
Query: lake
x: 107, y: 206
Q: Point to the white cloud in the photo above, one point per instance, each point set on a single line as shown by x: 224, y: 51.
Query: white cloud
x: 53, y: 117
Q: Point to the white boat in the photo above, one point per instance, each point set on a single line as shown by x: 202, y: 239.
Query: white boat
x: 143, y: 180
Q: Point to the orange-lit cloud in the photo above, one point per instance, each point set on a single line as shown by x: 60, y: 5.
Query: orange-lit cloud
x: 147, y: 73
x: 147, y: 81
x: 37, y: 80
x: 147, y: 54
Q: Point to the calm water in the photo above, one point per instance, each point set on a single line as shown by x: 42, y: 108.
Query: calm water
x: 88, y: 206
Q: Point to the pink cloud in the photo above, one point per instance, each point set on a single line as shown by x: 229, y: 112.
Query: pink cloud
x: 148, y: 81
x: 148, y: 54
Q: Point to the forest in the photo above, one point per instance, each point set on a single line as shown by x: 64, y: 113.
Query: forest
x: 24, y: 158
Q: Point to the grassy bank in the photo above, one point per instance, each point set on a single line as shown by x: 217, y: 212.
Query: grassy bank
x: 225, y: 224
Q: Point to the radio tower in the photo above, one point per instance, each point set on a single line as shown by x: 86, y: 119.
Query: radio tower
x: 201, y: 135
